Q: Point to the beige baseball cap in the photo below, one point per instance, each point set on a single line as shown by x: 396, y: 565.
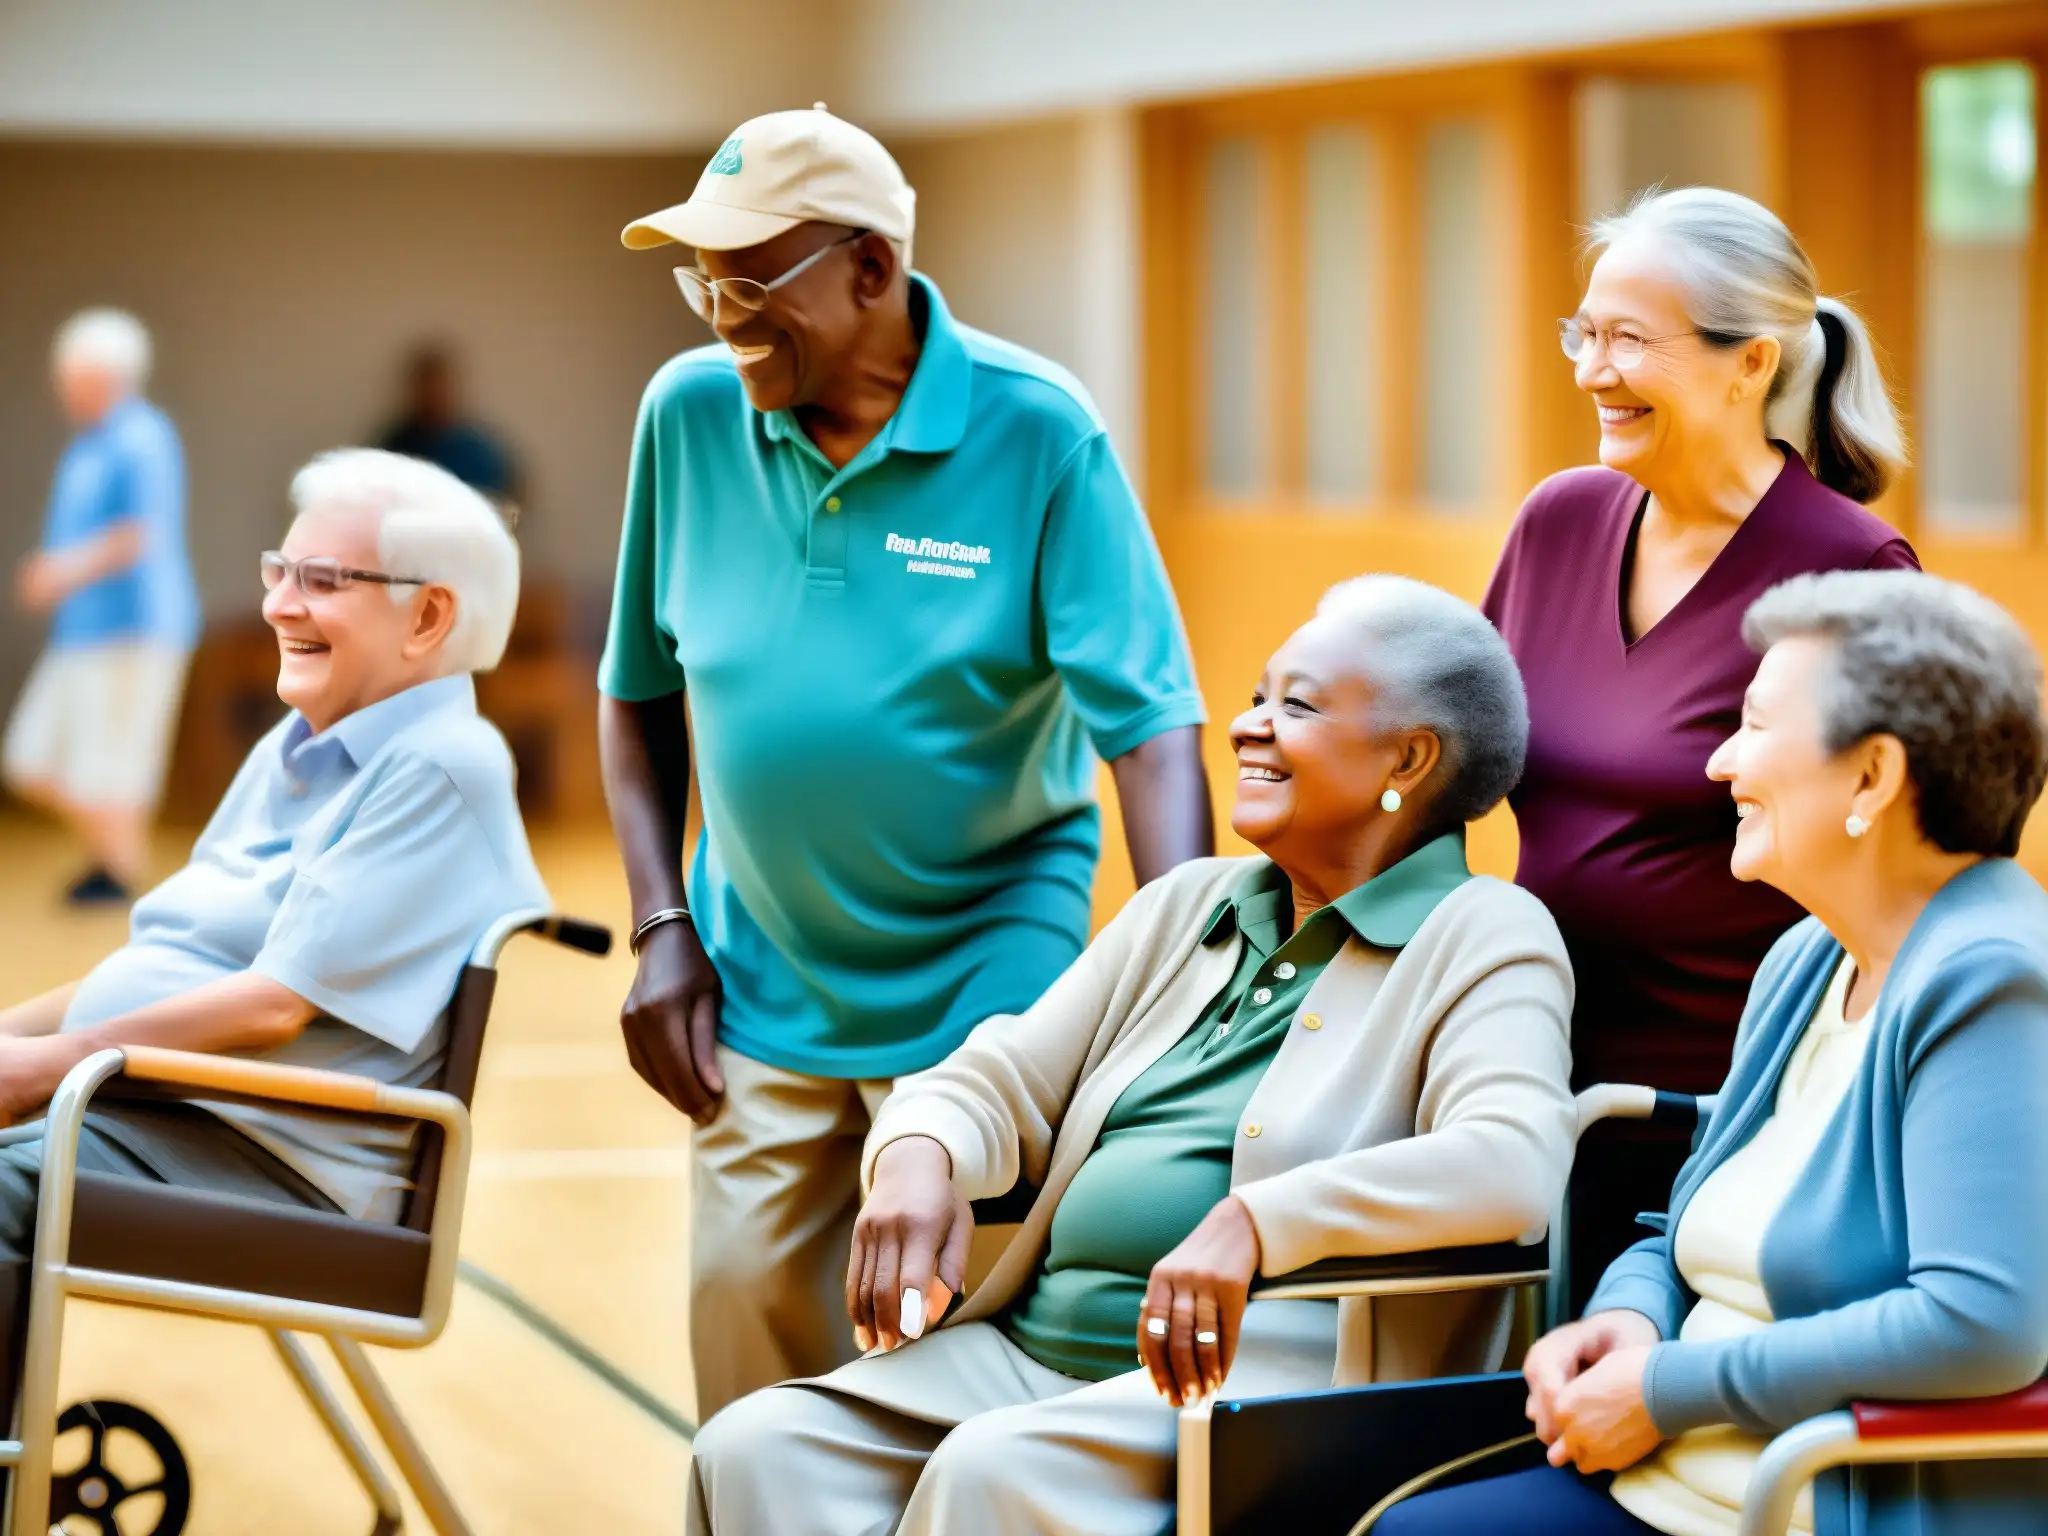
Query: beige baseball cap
x: 781, y: 170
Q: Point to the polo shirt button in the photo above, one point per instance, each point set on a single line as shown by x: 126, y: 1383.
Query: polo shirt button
x: 1311, y: 1021
x: 1253, y: 1131
x: 1263, y: 996
x: 1284, y: 970
x: 831, y: 503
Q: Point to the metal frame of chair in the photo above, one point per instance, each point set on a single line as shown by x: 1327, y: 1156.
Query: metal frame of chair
x: 1206, y: 1507
x: 425, y: 1244
x: 2010, y: 1427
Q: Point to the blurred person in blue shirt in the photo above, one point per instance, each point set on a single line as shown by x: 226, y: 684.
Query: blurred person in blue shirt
x: 92, y: 730
x: 328, y: 908
x: 433, y: 427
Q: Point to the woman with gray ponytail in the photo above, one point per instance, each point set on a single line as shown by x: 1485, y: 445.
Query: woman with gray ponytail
x: 1743, y: 422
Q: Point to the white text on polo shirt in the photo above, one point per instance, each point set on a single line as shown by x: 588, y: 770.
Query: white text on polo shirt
x: 927, y: 556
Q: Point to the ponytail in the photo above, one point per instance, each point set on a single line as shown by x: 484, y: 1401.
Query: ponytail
x: 1856, y: 445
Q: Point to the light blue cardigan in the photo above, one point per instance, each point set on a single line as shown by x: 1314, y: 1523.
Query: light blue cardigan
x: 1910, y: 1260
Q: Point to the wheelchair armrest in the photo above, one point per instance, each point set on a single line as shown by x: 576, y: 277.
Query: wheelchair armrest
x: 294, y: 1085
x: 1006, y: 1209
x: 1479, y: 1266
x: 1632, y: 1101
x: 2015, y: 1413
x: 2011, y: 1427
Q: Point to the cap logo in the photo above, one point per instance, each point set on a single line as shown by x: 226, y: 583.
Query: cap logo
x: 727, y: 161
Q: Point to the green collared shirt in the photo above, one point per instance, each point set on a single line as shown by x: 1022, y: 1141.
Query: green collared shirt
x: 1162, y: 1160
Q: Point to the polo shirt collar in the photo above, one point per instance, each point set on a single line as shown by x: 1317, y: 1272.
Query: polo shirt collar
x: 1387, y: 911
x: 932, y: 415
x: 362, y: 735
x: 1263, y: 898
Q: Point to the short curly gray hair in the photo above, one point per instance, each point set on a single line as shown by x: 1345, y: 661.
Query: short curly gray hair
x: 1438, y: 663
x: 1945, y: 670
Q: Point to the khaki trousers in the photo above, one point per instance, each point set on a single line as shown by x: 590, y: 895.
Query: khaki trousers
x: 774, y: 1188
x: 962, y: 1432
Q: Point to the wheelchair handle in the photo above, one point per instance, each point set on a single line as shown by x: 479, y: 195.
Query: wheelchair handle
x: 575, y: 933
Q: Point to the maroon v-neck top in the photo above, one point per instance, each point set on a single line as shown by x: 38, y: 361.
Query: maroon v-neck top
x: 1623, y: 836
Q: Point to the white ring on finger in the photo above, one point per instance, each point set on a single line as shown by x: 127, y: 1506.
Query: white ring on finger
x: 1206, y: 1336
x: 1156, y: 1326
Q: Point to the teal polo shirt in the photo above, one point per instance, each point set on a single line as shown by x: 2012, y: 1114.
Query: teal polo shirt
x: 900, y: 676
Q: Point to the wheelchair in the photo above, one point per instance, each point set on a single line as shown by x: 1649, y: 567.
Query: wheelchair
x: 1328, y: 1463
x: 285, y: 1270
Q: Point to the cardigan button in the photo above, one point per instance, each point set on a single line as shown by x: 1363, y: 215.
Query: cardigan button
x: 1284, y: 970
x: 1262, y: 996
x: 1311, y: 1021
x: 1252, y: 1131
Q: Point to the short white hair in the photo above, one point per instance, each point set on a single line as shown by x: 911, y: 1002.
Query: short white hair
x: 1439, y: 662
x: 433, y: 527
x: 108, y: 339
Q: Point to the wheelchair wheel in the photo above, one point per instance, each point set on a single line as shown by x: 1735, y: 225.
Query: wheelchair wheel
x: 95, y: 1498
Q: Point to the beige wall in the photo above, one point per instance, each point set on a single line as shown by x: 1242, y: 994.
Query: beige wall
x: 946, y: 65
x: 997, y: 228
x: 283, y: 288
x: 1031, y: 232
x: 532, y: 74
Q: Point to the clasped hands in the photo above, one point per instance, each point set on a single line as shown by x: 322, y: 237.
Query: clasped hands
x: 1586, y: 1384
x: 909, y: 1261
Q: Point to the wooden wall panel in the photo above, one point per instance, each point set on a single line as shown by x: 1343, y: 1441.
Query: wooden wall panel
x: 1842, y: 146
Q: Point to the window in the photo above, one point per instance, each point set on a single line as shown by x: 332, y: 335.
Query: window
x: 1977, y: 152
x: 1636, y: 134
x: 1237, y: 431
x: 1350, y: 335
x: 1460, y: 323
x: 1341, y: 406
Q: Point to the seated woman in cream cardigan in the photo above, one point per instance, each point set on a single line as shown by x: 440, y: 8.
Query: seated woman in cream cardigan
x: 1350, y: 1045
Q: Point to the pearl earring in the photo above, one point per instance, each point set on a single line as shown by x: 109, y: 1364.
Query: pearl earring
x: 1855, y: 826
x: 1390, y: 802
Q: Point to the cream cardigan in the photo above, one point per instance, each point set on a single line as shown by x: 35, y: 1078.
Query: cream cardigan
x: 1432, y: 1107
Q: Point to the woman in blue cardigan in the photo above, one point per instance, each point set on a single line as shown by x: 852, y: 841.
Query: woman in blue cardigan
x: 1867, y: 1213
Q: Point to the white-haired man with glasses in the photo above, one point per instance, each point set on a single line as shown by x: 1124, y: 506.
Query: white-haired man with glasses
x: 327, y: 909
x: 896, y: 571
x: 92, y: 732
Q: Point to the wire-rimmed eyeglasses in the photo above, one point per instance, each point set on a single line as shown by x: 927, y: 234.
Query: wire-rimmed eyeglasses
x: 703, y: 292
x: 1578, y: 339
x: 322, y: 576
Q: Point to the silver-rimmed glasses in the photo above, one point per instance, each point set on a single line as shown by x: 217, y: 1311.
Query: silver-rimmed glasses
x: 1580, y: 340
x: 704, y: 293
x: 322, y: 576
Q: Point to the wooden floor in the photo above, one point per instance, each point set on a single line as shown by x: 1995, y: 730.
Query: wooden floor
x: 579, y: 1201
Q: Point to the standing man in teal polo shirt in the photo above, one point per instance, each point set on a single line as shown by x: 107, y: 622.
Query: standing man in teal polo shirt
x: 896, y: 572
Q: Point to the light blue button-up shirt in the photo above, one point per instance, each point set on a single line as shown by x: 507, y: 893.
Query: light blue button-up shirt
x: 127, y: 467
x: 357, y: 867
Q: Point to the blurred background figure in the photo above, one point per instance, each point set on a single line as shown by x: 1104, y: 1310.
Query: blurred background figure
x: 432, y: 426
x: 90, y: 735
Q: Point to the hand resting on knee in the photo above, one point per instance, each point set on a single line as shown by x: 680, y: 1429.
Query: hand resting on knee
x: 909, y: 1257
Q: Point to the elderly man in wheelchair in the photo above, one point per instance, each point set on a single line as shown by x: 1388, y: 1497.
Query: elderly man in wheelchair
x: 327, y: 912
